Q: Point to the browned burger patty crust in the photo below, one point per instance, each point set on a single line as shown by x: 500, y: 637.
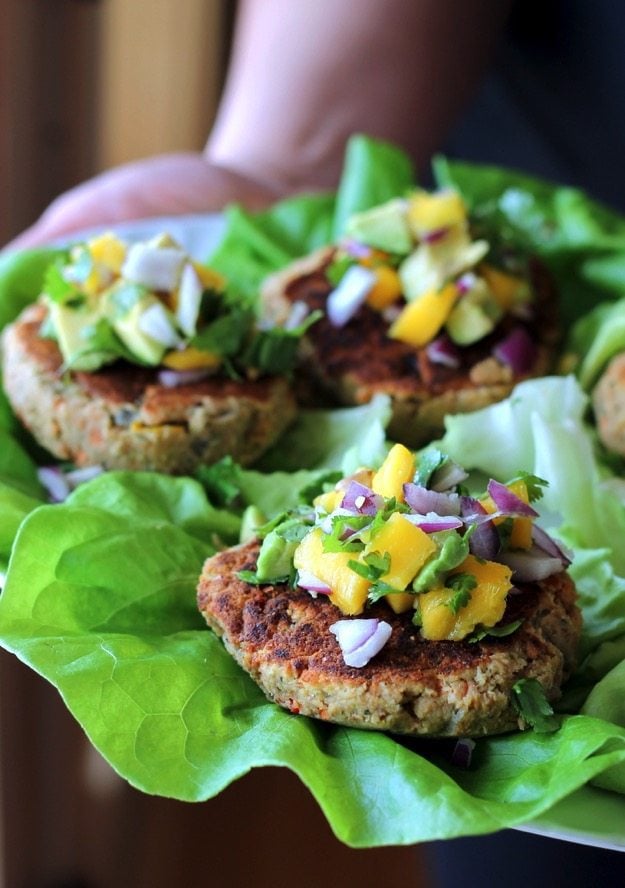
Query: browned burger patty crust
x: 351, y: 364
x: 120, y: 417
x: 281, y: 636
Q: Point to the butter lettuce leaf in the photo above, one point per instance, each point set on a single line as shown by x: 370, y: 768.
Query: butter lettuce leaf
x: 100, y: 600
x: 100, y: 591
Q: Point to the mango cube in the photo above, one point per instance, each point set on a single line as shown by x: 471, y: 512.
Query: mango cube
x: 486, y: 607
x: 409, y: 548
x: 191, y: 358
x: 521, y: 533
x: 109, y: 250
x: 349, y: 589
x: 431, y: 212
x: 387, y: 288
x: 507, y: 289
x: 211, y: 280
x: 397, y: 469
x: 329, y: 501
x: 421, y: 320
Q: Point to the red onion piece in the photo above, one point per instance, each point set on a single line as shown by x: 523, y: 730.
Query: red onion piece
x: 422, y: 500
x: 465, y: 283
x: 508, y: 503
x: 550, y: 546
x: 356, y: 248
x: 80, y: 476
x: 174, y: 378
x: 54, y: 481
x: 346, y: 531
x: 360, y: 639
x: 517, y: 350
x: 448, y: 476
x: 530, y: 566
x: 434, y: 235
x: 346, y: 298
x: 297, y: 315
x: 463, y: 752
x: 431, y: 522
x: 307, y: 580
x: 443, y: 351
x: 361, y: 500
x: 484, y: 541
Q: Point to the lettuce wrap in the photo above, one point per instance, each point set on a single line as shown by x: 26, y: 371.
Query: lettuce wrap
x: 99, y: 595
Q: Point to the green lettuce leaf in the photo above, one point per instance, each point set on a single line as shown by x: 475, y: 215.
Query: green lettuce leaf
x: 21, y: 278
x: 100, y: 599
x: 100, y: 591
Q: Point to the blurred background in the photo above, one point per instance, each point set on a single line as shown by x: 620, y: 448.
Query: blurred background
x: 88, y: 84
x: 84, y: 85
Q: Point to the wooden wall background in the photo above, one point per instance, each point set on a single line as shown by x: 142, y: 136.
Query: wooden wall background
x: 85, y: 84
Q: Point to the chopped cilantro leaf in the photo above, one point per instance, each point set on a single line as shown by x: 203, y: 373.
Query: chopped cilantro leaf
x: 275, y: 350
x: 221, y: 481
x: 372, y: 567
x: 462, y: 585
x: 533, y: 707
x: 337, y: 268
x: 379, y: 589
x: 225, y: 334
x: 534, y: 485
x: 333, y: 542
x: 55, y: 286
x: 429, y: 462
x: 249, y: 576
x: 494, y: 631
x: 320, y: 485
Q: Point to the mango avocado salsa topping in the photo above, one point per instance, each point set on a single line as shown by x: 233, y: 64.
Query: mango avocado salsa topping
x: 151, y: 304
x: 414, y: 260
x: 410, y: 535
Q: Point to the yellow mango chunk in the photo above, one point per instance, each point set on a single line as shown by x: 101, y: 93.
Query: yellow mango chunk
x: 109, y: 250
x: 349, y: 589
x: 430, y: 212
x: 486, y: 607
x: 521, y: 533
x: 409, y: 548
x: 397, y: 469
x: 507, y: 289
x: 191, y: 358
x: 211, y: 280
x: 387, y: 288
x: 328, y: 501
x: 421, y: 320
x: 400, y: 602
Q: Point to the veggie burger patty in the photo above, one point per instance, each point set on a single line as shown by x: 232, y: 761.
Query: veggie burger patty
x: 396, y: 602
x: 281, y: 637
x: 137, y: 357
x: 121, y: 417
x: 417, y: 309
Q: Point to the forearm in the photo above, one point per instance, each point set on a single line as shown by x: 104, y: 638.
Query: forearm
x: 307, y: 74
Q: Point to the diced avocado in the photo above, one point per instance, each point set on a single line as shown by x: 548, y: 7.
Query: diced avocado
x: 473, y: 316
x: 485, y: 606
x: 123, y: 306
x: 76, y: 329
x: 251, y: 520
x: 384, y: 227
x: 275, y: 559
x: 453, y: 549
